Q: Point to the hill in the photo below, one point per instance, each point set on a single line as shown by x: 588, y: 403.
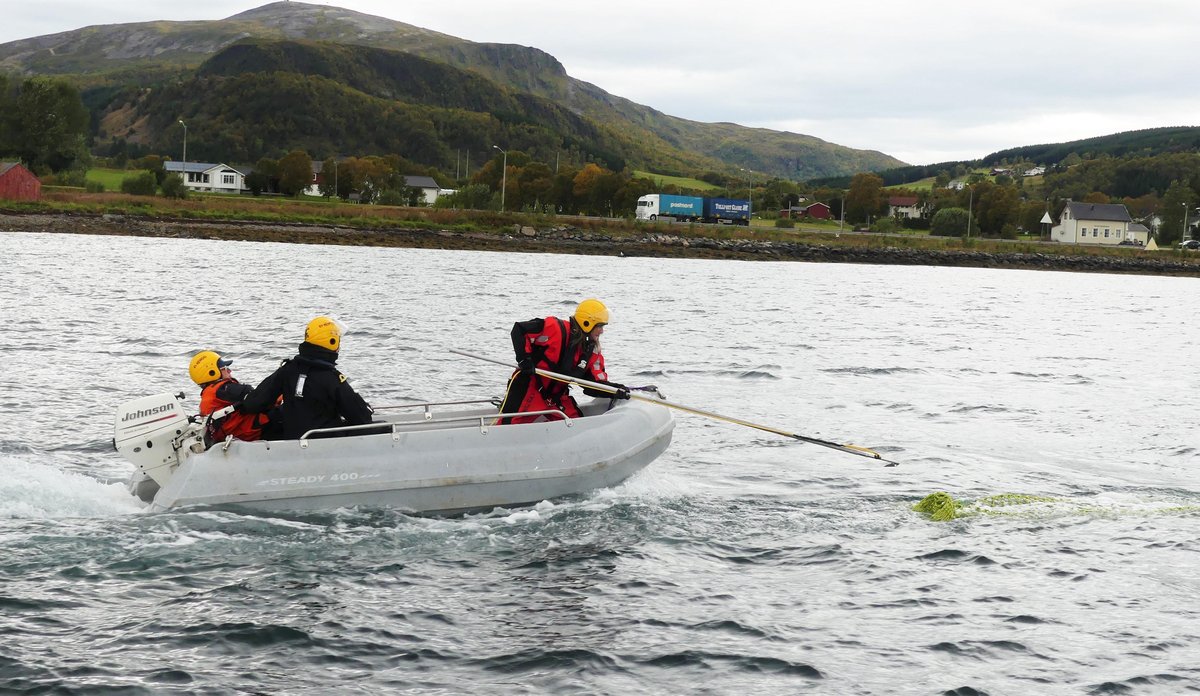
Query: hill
x: 1144, y: 143
x: 331, y: 98
x: 109, y: 58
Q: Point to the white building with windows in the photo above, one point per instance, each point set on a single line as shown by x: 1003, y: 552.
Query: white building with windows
x: 1092, y: 223
x: 206, y: 176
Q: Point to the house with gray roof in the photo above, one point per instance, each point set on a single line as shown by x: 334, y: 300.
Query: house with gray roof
x: 208, y: 176
x: 427, y: 186
x: 1092, y: 223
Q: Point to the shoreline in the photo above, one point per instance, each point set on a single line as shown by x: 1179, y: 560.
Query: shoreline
x: 565, y: 239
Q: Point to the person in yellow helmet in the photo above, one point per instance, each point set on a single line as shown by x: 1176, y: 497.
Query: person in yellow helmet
x: 566, y: 346
x: 315, y: 394
x: 218, y: 390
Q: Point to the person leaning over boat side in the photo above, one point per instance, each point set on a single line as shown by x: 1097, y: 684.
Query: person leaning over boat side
x: 218, y: 390
x: 315, y: 394
x: 566, y: 346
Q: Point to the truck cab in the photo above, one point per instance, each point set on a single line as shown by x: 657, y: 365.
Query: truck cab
x: 647, y: 207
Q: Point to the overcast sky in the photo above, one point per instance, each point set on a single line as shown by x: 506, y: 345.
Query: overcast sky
x: 929, y: 81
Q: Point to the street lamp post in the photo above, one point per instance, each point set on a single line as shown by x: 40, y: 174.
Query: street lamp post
x: 503, y: 175
x: 184, y: 151
x: 1183, y: 225
x: 970, y: 209
x: 749, y: 194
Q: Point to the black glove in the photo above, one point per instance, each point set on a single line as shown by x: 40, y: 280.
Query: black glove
x: 525, y: 365
x: 622, y: 392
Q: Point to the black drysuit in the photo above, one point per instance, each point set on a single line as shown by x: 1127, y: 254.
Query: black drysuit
x: 315, y: 395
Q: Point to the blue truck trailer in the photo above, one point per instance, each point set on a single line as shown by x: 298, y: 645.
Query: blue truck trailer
x: 727, y: 209
x: 662, y: 206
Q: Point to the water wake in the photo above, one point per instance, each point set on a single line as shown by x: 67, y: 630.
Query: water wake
x: 37, y: 490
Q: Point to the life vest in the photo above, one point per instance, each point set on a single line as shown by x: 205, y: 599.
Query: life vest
x: 551, y: 350
x: 242, y: 426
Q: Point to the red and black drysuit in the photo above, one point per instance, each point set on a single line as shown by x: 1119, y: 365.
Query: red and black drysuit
x: 555, y: 345
x: 220, y: 393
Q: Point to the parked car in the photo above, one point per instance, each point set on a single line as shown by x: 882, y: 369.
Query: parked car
x: 1190, y: 244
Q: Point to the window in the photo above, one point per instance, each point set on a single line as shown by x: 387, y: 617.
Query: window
x: 1084, y: 234
x: 227, y: 179
x: 1096, y: 232
x: 1106, y: 233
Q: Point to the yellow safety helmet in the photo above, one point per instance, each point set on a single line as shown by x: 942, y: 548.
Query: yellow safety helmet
x: 206, y: 367
x: 323, y: 332
x: 590, y: 314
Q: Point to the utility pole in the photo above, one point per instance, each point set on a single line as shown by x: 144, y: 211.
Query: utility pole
x: 503, y: 175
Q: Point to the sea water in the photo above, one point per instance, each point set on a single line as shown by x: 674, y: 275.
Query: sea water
x: 738, y: 562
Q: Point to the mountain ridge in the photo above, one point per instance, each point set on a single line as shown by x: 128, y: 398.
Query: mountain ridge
x: 157, y: 48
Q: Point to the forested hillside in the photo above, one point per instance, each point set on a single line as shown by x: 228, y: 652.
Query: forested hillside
x: 331, y: 99
x: 105, y: 60
x: 1152, y: 141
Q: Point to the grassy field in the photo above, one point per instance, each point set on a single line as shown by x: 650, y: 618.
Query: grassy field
x: 680, y: 181
x: 111, y: 178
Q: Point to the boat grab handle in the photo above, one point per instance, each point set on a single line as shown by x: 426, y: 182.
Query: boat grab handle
x: 428, y: 406
x: 484, y: 421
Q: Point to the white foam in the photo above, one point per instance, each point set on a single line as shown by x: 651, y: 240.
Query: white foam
x: 36, y: 490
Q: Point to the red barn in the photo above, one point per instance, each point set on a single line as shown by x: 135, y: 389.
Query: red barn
x: 18, y: 183
x: 819, y: 211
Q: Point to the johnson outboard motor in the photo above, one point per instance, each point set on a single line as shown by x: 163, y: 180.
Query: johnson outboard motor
x: 149, y: 432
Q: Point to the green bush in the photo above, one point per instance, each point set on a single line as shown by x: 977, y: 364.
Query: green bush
x: 392, y: 197
x: 949, y: 222
x: 94, y: 187
x: 142, y: 184
x: 885, y: 225
x: 172, y: 187
x: 785, y: 223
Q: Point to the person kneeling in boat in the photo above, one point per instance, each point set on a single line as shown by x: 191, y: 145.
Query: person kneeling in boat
x: 567, y: 346
x: 219, y: 391
x: 315, y: 394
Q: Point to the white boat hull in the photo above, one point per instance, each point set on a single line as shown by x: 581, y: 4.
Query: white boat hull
x: 441, y: 463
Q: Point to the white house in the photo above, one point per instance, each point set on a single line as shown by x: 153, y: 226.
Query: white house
x: 206, y: 176
x: 427, y: 186
x: 1137, y: 233
x: 1036, y: 171
x: 1092, y: 223
x: 904, y: 207
x: 957, y: 185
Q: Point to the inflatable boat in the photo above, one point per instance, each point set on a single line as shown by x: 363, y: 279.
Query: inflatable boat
x: 430, y: 459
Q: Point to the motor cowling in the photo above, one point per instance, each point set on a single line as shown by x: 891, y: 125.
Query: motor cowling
x: 148, y: 431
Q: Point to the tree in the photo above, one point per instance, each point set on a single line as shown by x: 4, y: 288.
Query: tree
x: 1174, y: 202
x: 949, y: 222
x: 265, y: 177
x: 995, y: 208
x: 864, y: 198
x: 295, y: 173
x: 471, y: 197
x: 48, y: 125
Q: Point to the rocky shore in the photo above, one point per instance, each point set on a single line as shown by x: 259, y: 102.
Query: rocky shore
x: 571, y: 240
